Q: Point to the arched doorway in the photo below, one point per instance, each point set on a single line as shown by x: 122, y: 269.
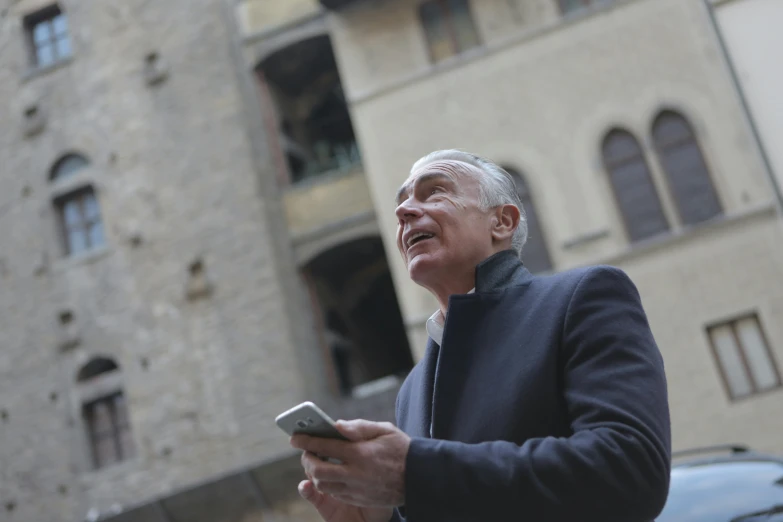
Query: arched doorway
x: 362, y: 324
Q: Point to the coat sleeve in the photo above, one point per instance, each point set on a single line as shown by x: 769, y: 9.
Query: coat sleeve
x: 613, y: 467
x: 399, y: 512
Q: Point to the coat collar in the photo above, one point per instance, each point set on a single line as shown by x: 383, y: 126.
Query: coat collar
x: 497, y: 272
x: 501, y: 270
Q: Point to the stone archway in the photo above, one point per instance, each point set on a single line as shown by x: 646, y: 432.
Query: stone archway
x: 362, y: 324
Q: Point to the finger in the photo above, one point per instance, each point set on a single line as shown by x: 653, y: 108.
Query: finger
x: 308, y: 492
x: 329, y: 487
x: 353, y: 500
x: 317, y: 469
x: 360, y: 429
x: 321, y: 446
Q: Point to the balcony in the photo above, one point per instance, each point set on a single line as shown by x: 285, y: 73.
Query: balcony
x: 326, y: 200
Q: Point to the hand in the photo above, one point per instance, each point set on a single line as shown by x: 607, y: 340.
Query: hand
x: 372, y: 473
x: 333, y: 510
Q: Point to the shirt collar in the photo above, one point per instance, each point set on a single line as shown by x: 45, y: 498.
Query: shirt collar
x: 436, y: 323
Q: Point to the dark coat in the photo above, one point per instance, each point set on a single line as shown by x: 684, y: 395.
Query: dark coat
x: 548, y: 402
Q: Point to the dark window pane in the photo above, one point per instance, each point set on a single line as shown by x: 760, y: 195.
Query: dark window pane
x: 44, y: 55
x: 109, y: 430
x: 72, y: 213
x: 462, y: 23
x: 633, y: 187
x: 96, y: 367
x: 81, y: 221
x: 60, y: 25
x: 42, y: 33
x: 620, y: 148
x: 105, y: 452
x: 68, y: 166
x: 535, y: 254
x: 686, y: 171
x: 670, y: 128
x: 124, y: 437
x: 63, y: 46
x: 91, y: 210
x: 77, y: 241
x: 96, y: 235
x: 436, y: 32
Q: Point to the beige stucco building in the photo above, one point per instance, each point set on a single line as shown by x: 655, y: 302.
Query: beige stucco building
x: 748, y: 32
x: 197, y: 223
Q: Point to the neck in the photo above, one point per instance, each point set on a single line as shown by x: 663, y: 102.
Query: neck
x: 460, y: 283
x: 495, y: 271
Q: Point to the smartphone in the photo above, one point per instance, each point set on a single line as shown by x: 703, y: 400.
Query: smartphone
x: 309, y: 419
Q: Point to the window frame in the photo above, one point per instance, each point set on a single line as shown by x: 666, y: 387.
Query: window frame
x: 116, y: 430
x: 732, y: 325
x: 446, y: 16
x: 46, y: 15
x: 79, y: 194
x: 662, y: 147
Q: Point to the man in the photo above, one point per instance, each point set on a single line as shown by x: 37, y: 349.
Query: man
x: 538, y: 398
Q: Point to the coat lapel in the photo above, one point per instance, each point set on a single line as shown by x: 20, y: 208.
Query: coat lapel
x: 474, y: 325
x: 420, y: 407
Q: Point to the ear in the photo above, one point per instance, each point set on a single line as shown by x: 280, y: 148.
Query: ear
x: 504, y: 223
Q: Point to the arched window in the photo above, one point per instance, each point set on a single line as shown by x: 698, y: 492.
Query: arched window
x: 685, y: 168
x: 535, y: 255
x: 67, y: 166
x: 105, y: 412
x: 80, y: 215
x: 633, y: 186
x: 80, y: 221
x: 96, y: 367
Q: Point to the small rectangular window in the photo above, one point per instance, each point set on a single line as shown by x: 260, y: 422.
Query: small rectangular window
x: 48, y: 36
x: 81, y: 224
x: 744, y: 357
x: 449, y: 28
x: 108, y: 429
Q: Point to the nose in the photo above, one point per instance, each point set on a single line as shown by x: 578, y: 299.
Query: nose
x: 407, y: 210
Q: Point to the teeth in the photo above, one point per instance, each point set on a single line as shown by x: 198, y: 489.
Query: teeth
x: 416, y: 236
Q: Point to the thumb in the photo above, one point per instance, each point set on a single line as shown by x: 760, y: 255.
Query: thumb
x: 308, y: 492
x: 359, y: 429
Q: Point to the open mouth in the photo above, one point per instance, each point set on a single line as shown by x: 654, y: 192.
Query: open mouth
x: 418, y: 237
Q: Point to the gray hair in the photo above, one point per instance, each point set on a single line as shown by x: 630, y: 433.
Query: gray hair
x: 497, y: 187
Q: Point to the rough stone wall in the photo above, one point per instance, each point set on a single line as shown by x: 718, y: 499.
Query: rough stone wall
x: 171, y: 166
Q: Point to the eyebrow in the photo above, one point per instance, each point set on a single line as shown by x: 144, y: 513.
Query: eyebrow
x: 424, y: 178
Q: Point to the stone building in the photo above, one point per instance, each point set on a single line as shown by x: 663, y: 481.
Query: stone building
x: 197, y: 230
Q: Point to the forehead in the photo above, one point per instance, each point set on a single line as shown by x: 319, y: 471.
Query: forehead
x: 454, y: 171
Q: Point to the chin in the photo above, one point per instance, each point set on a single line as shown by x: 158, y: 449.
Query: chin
x: 421, y: 268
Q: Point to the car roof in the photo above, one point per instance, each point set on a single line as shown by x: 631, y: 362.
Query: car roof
x: 700, y: 456
x: 724, y: 484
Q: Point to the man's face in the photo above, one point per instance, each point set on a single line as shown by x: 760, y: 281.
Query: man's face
x: 442, y: 231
